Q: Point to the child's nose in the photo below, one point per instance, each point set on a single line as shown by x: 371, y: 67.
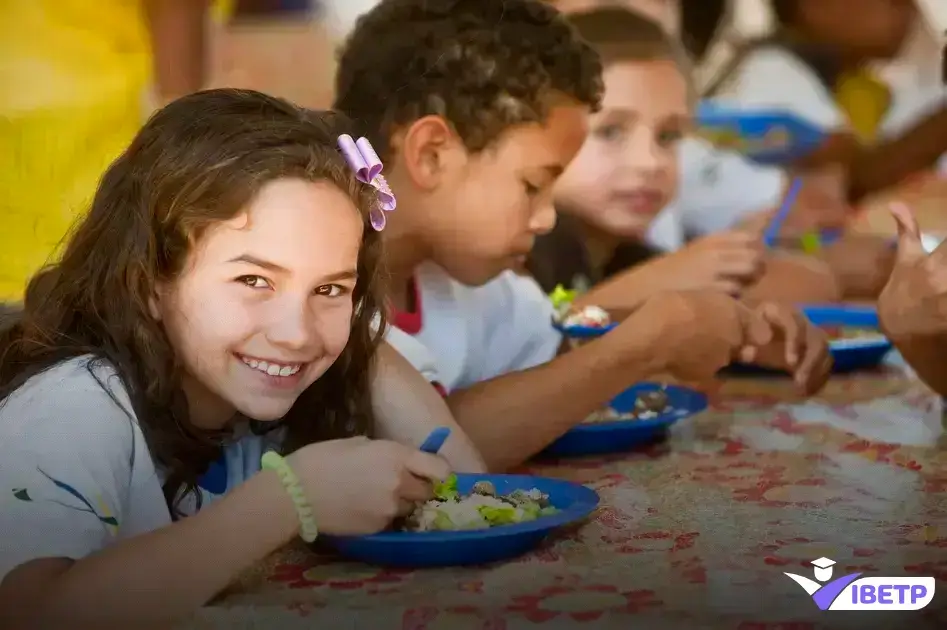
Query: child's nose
x: 294, y: 326
x: 543, y: 219
x: 645, y: 156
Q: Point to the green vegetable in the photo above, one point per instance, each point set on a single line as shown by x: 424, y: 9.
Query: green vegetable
x: 561, y: 297
x: 498, y: 515
x: 447, y: 489
x: 547, y: 511
x: 443, y: 522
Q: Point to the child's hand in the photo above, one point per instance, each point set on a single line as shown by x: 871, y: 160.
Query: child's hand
x: 358, y: 486
x: 861, y: 263
x: 699, y: 333
x: 796, y: 347
x: 726, y: 262
x: 914, y: 302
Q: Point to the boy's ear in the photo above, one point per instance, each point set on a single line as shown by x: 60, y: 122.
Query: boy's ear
x: 427, y: 149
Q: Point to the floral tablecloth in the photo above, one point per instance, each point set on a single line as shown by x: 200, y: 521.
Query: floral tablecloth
x: 695, y: 533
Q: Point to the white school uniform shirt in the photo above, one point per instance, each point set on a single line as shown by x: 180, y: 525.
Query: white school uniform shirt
x: 76, y: 474
x: 771, y: 77
x: 718, y: 188
x: 461, y: 335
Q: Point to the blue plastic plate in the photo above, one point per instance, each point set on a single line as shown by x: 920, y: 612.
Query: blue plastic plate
x: 441, y: 549
x: 848, y: 354
x: 623, y: 435
x: 583, y: 332
x: 770, y: 136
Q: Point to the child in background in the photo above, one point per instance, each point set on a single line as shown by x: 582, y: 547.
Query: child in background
x: 220, y: 299
x: 78, y: 74
x: 476, y: 115
x: 719, y: 189
x: 818, y: 64
x: 627, y: 171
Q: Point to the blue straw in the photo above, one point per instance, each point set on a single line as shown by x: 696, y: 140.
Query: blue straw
x: 776, y: 225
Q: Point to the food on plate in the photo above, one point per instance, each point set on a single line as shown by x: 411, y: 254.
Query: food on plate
x: 648, y: 405
x: 588, y: 316
x: 483, y: 508
x: 847, y: 333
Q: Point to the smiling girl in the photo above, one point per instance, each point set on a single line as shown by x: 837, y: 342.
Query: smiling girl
x: 219, y: 302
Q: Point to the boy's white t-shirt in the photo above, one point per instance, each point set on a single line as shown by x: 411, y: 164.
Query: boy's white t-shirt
x: 462, y: 335
x: 75, y: 472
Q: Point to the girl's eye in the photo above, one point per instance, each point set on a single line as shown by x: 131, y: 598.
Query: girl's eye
x: 531, y: 190
x: 331, y: 290
x: 609, y: 133
x: 254, y: 282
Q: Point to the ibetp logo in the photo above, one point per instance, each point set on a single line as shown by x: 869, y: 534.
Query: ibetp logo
x: 851, y: 592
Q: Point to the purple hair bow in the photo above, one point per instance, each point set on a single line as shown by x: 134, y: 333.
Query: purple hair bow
x: 364, y: 161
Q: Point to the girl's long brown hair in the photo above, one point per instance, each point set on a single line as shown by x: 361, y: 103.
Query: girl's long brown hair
x: 197, y: 162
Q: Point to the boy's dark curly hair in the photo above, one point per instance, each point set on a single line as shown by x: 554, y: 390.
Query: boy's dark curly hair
x: 484, y: 65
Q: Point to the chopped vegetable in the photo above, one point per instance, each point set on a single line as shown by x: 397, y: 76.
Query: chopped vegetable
x: 481, y: 509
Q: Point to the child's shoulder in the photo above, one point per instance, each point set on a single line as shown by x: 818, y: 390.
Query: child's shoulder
x: 76, y: 399
x: 770, y: 76
x: 497, y: 295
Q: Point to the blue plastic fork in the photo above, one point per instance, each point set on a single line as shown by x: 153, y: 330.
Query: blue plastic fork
x: 435, y: 440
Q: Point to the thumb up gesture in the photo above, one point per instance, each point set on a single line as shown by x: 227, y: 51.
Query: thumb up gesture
x: 914, y: 302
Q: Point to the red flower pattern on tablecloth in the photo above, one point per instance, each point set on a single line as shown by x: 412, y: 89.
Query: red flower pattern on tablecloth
x: 785, y: 422
x: 537, y: 607
x: 934, y: 568
x: 786, y: 552
x: 786, y: 625
x: 644, y: 543
x: 315, y: 574
x: 735, y: 471
x: 422, y: 618
x: 737, y: 403
x: 757, y: 494
x: 918, y: 533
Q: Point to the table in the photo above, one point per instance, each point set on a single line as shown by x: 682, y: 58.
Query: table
x: 694, y: 533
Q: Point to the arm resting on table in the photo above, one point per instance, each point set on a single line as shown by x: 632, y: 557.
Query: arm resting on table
x: 158, y: 578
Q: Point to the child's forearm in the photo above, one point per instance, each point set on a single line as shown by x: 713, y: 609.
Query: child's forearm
x: 891, y: 162
x: 926, y: 355
x: 623, y: 292
x: 871, y: 169
x: 179, y: 46
x: 159, y: 578
x: 513, y: 417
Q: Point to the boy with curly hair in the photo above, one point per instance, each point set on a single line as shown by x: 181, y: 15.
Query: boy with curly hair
x: 476, y: 107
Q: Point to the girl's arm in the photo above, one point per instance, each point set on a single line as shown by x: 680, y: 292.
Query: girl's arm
x: 179, y: 46
x: 408, y: 408
x: 156, y: 579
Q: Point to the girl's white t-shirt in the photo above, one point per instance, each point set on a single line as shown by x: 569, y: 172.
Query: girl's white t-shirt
x: 75, y: 472
x: 471, y: 334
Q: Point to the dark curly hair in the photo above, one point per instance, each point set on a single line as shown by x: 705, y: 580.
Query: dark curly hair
x: 197, y: 162
x: 484, y: 65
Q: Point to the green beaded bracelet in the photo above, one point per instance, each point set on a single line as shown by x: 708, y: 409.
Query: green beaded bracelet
x: 307, y: 522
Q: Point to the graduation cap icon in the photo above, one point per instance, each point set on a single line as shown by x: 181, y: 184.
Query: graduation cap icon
x: 823, y: 569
